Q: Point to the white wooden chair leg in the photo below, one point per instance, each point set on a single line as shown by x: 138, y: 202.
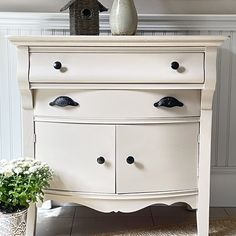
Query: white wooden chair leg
x: 31, y: 220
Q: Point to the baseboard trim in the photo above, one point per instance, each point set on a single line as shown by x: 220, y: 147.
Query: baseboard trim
x: 223, y: 190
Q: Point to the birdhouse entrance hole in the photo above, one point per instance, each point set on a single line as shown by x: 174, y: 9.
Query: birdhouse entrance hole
x: 86, y: 13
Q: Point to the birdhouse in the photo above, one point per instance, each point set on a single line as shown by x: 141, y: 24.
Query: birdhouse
x: 84, y: 16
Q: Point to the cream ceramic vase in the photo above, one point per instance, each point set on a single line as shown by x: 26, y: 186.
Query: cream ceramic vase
x: 123, y: 18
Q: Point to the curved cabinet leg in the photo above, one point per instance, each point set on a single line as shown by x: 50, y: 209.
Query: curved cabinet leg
x: 31, y: 220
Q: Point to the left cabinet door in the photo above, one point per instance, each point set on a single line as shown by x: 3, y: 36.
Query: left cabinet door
x: 82, y: 156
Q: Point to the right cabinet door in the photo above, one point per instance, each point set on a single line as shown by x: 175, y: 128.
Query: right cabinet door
x: 161, y: 157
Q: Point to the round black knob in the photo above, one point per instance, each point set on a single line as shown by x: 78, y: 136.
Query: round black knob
x: 175, y: 65
x: 101, y: 160
x: 130, y: 160
x: 57, y: 65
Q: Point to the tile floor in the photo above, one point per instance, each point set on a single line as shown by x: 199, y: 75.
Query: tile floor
x: 82, y: 221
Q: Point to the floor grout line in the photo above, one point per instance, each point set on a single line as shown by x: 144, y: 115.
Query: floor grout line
x: 153, y: 221
x: 73, y: 219
x: 227, y: 213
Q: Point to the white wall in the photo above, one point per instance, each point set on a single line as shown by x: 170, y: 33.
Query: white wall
x: 143, y: 6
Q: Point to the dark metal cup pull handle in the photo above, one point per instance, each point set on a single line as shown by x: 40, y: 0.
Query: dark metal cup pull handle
x: 168, y: 102
x: 63, y: 101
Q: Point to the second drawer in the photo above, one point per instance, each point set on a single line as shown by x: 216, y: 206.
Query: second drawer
x: 117, y: 103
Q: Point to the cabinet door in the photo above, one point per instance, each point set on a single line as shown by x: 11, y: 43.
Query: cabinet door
x: 161, y: 157
x: 72, y: 150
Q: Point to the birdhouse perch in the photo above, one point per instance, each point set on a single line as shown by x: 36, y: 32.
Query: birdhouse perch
x: 84, y: 16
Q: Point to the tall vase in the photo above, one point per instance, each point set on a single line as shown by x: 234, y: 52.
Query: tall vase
x: 13, y: 224
x: 123, y: 18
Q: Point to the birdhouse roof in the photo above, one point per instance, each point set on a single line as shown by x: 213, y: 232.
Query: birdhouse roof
x: 100, y: 6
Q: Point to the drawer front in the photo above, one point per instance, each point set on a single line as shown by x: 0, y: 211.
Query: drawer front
x: 165, y: 157
x: 117, y: 103
x: 117, y: 67
x: 72, y: 150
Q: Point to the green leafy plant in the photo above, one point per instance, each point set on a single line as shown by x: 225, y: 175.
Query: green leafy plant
x: 22, y: 182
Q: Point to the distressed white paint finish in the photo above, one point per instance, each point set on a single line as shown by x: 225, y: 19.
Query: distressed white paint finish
x: 75, y: 148
x: 110, y: 67
x: 205, y: 142
x: 51, y: 24
x: 191, y: 151
x: 121, y: 103
x: 105, y: 203
x: 119, y: 41
x: 161, y: 153
x: 204, y: 173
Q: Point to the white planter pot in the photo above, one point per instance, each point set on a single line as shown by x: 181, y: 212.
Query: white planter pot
x: 123, y: 18
x: 13, y: 224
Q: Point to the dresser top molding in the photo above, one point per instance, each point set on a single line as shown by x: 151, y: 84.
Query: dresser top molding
x: 139, y: 41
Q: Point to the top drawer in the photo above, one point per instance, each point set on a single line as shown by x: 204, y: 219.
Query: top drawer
x: 117, y: 67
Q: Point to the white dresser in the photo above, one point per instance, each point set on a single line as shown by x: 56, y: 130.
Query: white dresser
x: 125, y: 122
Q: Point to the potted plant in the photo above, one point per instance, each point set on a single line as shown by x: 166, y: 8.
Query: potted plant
x: 21, y: 183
